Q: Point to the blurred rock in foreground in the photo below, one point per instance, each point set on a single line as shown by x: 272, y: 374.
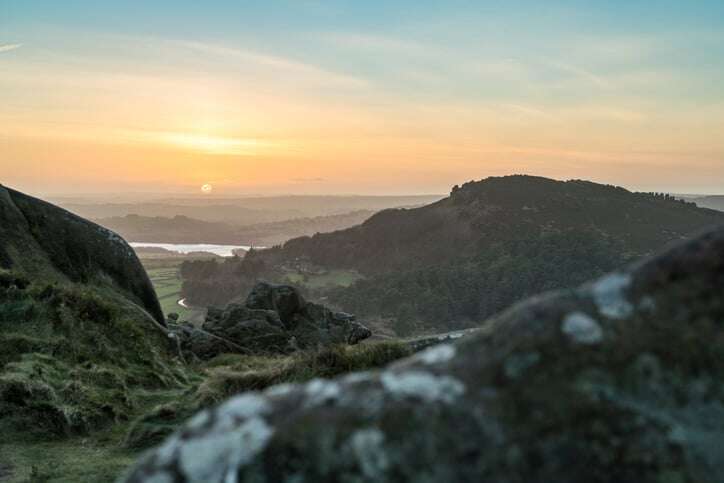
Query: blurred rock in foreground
x: 617, y: 381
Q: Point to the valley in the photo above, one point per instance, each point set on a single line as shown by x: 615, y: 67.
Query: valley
x: 450, y: 264
x: 105, y: 373
x: 362, y: 241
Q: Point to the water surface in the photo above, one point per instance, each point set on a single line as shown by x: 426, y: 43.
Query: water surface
x: 221, y: 250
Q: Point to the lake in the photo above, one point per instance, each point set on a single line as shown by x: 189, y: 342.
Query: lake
x: 221, y: 250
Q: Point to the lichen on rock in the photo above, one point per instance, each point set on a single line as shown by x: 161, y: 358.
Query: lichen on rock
x: 617, y: 381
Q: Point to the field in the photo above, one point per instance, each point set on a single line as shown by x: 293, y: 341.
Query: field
x: 167, y: 283
x: 166, y: 279
x: 332, y: 278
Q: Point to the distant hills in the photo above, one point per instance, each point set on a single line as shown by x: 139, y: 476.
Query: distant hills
x: 182, y: 229
x: 490, y: 243
x: 715, y: 202
x: 243, y: 211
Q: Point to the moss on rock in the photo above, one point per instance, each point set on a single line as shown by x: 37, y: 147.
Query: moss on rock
x: 71, y: 358
x: 617, y: 381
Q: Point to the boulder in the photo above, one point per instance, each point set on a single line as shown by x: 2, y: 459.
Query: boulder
x: 194, y: 343
x: 285, y: 300
x: 274, y: 319
x: 617, y: 381
x: 46, y: 242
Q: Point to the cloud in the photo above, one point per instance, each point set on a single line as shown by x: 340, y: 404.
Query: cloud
x: 9, y: 47
x: 583, y: 74
x: 280, y: 64
x: 309, y: 180
x: 374, y: 42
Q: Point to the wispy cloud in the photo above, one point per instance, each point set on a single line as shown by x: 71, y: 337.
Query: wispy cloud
x: 582, y: 73
x: 9, y: 47
x: 528, y: 110
x: 382, y: 43
x: 280, y: 64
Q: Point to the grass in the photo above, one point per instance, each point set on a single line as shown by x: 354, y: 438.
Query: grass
x: 74, y: 460
x: 166, y: 280
x: 167, y: 283
x: 87, y: 381
x: 100, y: 456
x: 77, y: 363
x: 229, y: 374
x: 332, y: 278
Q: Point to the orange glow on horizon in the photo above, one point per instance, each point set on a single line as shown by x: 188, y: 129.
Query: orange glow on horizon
x: 325, y: 133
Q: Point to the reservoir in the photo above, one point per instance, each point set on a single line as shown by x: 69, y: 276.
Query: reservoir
x: 221, y: 250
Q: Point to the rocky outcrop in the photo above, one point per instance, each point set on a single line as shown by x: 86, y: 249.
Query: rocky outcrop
x: 43, y: 240
x: 617, y: 381
x: 81, y: 336
x: 273, y: 319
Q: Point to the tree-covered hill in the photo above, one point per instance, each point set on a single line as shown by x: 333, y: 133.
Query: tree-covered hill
x: 490, y: 243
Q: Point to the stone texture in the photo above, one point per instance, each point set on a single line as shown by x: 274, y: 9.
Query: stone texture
x: 274, y: 319
x: 45, y: 241
x: 617, y: 381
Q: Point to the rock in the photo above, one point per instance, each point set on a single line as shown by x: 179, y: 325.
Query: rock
x: 357, y: 334
x: 536, y: 395
x: 285, y: 300
x: 274, y: 319
x: 256, y: 330
x: 44, y: 241
x: 195, y: 343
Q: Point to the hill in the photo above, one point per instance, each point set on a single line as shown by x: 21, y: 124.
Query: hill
x: 240, y: 211
x: 616, y: 381
x: 182, y: 229
x: 490, y: 243
x: 91, y: 374
x: 82, y: 335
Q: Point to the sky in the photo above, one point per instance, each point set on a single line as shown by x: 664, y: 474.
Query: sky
x: 373, y: 97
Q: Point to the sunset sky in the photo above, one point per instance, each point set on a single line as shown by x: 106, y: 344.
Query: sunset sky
x: 359, y: 96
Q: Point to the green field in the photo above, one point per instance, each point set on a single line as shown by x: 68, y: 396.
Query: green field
x: 166, y: 280
x: 333, y: 278
x: 167, y: 283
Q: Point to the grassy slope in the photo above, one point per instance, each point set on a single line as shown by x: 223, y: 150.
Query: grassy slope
x: 96, y: 457
x: 78, y: 364
x: 101, y: 455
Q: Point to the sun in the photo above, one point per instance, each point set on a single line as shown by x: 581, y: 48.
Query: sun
x: 206, y: 189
